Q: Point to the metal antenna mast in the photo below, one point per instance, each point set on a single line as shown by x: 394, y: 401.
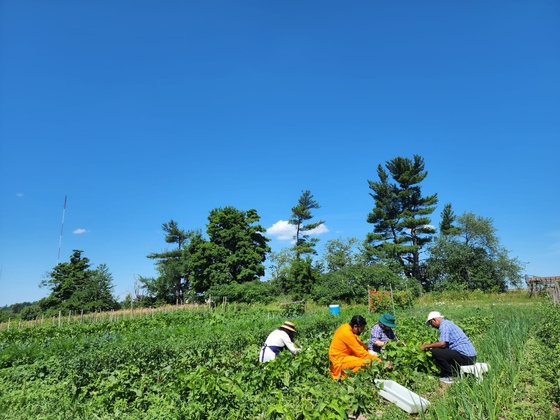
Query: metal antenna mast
x: 61, y: 229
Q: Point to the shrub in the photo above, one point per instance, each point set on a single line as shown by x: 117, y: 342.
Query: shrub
x: 380, y: 301
x: 30, y: 312
x: 250, y: 292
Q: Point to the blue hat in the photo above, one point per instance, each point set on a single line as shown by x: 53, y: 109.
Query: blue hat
x: 388, y: 320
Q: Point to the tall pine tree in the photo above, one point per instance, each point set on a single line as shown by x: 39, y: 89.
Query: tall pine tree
x: 400, y: 216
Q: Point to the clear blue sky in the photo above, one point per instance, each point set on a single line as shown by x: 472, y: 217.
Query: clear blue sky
x: 141, y: 112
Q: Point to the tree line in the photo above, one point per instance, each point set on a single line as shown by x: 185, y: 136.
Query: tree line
x: 402, y: 251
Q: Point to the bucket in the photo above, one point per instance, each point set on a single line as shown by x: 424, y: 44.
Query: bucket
x: 334, y: 309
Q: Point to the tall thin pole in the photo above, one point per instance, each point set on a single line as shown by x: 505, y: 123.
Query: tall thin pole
x: 61, y: 230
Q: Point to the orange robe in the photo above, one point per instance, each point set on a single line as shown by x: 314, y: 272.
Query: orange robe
x: 347, y: 352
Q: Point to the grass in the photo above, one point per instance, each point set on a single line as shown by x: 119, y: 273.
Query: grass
x: 95, y: 371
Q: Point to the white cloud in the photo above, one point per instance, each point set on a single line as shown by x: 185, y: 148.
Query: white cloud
x: 319, y: 230
x: 284, y: 231
x: 79, y: 231
x: 19, y: 194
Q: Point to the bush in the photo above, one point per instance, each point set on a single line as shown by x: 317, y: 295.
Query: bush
x: 350, y: 284
x: 380, y: 301
x: 292, y: 310
x: 30, y: 312
x: 250, y: 292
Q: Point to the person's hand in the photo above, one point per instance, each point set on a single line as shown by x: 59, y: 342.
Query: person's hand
x: 402, y: 342
x: 388, y: 366
x: 423, y: 347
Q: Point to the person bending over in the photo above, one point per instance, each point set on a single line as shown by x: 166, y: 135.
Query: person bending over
x: 278, y: 340
x: 382, y: 332
x: 453, y: 349
x: 347, y: 351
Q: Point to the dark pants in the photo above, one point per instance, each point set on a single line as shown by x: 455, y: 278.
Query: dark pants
x: 448, y: 361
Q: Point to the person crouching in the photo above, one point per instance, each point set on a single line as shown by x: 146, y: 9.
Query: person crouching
x: 278, y: 340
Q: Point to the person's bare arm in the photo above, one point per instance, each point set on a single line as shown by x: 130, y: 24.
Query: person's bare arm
x: 436, y: 345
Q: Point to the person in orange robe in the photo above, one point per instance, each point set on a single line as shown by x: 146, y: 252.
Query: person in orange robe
x: 347, y: 351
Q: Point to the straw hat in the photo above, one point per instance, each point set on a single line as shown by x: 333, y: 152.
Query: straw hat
x: 287, y: 325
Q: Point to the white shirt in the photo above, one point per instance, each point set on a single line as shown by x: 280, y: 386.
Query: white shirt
x: 276, y: 338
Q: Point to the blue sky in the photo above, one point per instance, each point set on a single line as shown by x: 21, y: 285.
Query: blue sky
x: 142, y: 112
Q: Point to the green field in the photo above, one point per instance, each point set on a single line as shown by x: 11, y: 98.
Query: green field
x: 202, y: 364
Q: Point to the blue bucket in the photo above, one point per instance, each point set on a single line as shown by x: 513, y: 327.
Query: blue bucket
x: 334, y: 309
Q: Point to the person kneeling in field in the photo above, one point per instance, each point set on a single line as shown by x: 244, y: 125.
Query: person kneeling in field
x: 278, y: 340
x: 347, y: 351
x: 381, y: 333
x: 454, y: 348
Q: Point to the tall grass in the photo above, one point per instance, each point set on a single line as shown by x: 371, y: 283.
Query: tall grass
x: 503, y: 346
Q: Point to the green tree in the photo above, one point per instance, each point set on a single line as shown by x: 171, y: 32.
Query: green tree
x: 74, y: 286
x: 301, y: 213
x: 280, y: 263
x: 99, y: 290
x: 340, y: 253
x: 400, y: 216
x: 471, y: 257
x: 350, y: 283
x: 235, y: 251
x: 304, y: 274
x: 173, y: 283
x: 446, y: 226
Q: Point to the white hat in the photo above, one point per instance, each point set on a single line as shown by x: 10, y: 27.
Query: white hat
x: 432, y: 315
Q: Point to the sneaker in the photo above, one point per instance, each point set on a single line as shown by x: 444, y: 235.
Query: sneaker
x: 446, y: 380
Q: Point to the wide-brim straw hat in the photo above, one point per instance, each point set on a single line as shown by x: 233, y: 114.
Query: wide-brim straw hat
x: 289, y: 326
x: 388, y: 320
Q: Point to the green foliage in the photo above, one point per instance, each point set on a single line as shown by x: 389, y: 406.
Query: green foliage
x: 75, y: 287
x: 235, y: 252
x: 448, y: 217
x: 173, y: 283
x: 9, y: 311
x: 381, y: 301
x: 302, y: 277
x: 280, y: 263
x: 400, y: 216
x: 548, y: 355
x: 201, y: 364
x: 470, y: 257
x: 301, y: 213
x: 293, y: 309
x: 30, y: 312
x: 350, y: 283
x: 340, y: 253
x: 252, y: 292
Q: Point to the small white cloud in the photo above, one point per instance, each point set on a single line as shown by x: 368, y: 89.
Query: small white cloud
x: 319, y: 230
x: 79, y: 231
x: 284, y: 231
x: 19, y: 194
